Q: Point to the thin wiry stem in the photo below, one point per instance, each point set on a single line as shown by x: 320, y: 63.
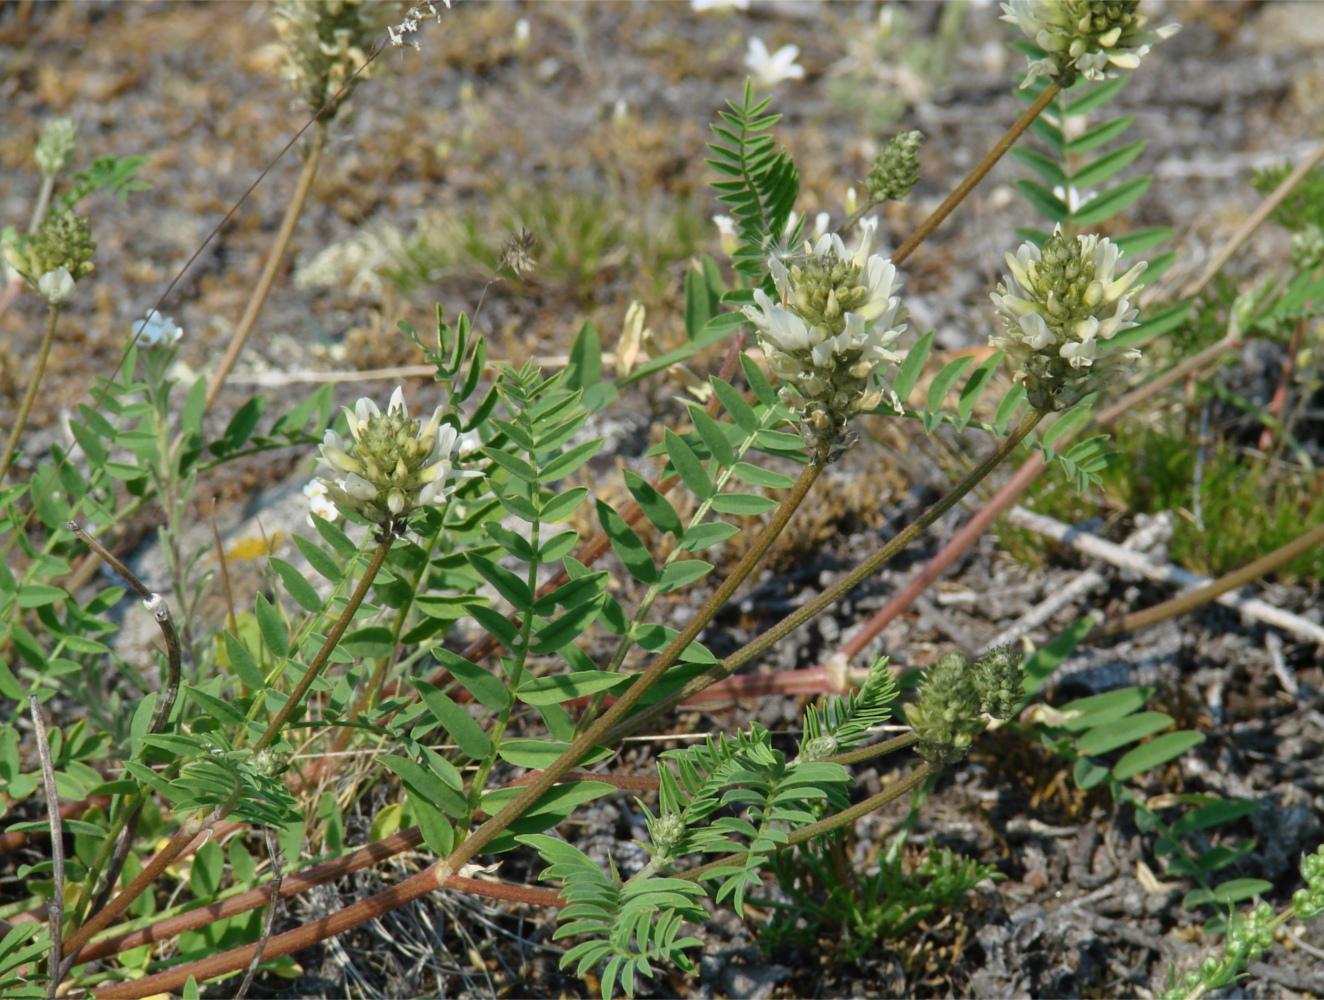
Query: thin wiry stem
x: 34, y: 383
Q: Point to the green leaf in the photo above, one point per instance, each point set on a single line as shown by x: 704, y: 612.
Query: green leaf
x: 1096, y: 98
x: 427, y: 785
x: 758, y: 382
x: 1214, y: 814
x: 461, y: 727
x: 742, y: 503
x: 1044, y: 201
x: 221, y: 711
x: 741, y: 412
x: 1041, y: 664
x: 297, y: 585
x: 274, y: 633
x: 1119, y: 732
x: 190, y: 421
x: 1049, y: 133
x: 688, y: 466
x: 1108, y: 203
x: 557, y: 546
x: 566, y: 629
x: 1088, y: 774
x: 1066, y: 425
x: 38, y: 595
x: 567, y: 463
x: 541, y: 753
x: 1153, y: 327
x: 909, y: 372
x: 243, y: 664
x: 1229, y: 893
x: 506, y: 583
x: 1142, y: 240
x: 631, y: 550
x: 566, y: 687
x: 584, y: 368
x: 656, y: 507
x: 1093, y: 138
x: 512, y: 541
x: 701, y: 536
x: 1049, y: 170
x: 1011, y: 402
x: 756, y: 476
x: 1096, y: 710
x: 334, y: 537
x: 945, y: 379
x: 489, y: 690
x: 319, y: 559
x: 1156, y: 752
x: 975, y: 384
x: 713, y: 436
x: 370, y: 641
x: 1102, y: 168
x: 562, y: 507
x: 682, y: 573
x: 513, y: 464
x: 496, y: 624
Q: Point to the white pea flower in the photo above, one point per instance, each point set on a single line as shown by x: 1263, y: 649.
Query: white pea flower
x: 157, y: 331
x: 721, y: 6
x: 319, y: 501
x: 771, y: 69
x: 728, y: 236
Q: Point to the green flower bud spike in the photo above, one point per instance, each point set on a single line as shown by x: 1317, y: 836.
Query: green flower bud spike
x: 391, y: 466
x: 325, y: 42
x: 998, y: 679
x: 55, y: 146
x: 947, y: 716
x: 1059, y: 307
x: 896, y: 169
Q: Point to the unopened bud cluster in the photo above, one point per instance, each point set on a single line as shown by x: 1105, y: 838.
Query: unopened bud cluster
x: 955, y: 697
x: 667, y: 834
x: 55, y: 145
x: 391, y: 466
x: 896, y: 169
x: 1086, y: 38
x: 831, y: 330
x: 1060, y: 306
x: 326, y: 42
x: 1308, y: 248
x: 56, y: 257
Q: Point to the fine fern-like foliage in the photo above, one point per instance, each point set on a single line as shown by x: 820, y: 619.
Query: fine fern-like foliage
x: 842, y: 723
x: 762, y: 182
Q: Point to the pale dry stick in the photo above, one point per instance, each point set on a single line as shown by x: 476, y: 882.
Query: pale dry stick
x: 56, y: 904
x: 275, y: 258
x: 30, y: 394
x: 1211, y: 591
x: 1100, y: 548
x: 1159, y: 529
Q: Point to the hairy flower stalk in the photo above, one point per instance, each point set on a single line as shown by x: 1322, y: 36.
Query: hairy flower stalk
x: 391, y: 466
x: 1060, y: 306
x: 830, y: 332
x: 1086, y: 38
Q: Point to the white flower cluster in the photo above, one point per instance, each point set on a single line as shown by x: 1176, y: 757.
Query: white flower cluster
x: 390, y: 465
x: 834, y: 325
x: 157, y: 331
x: 1060, y: 305
x: 1085, y: 37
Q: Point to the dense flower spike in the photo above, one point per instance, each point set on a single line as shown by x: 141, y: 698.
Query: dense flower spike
x: 947, y: 717
x: 1060, y: 306
x: 59, y: 137
x: 831, y: 330
x: 59, y: 255
x: 896, y: 168
x: 1084, y: 37
x: 391, y: 466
